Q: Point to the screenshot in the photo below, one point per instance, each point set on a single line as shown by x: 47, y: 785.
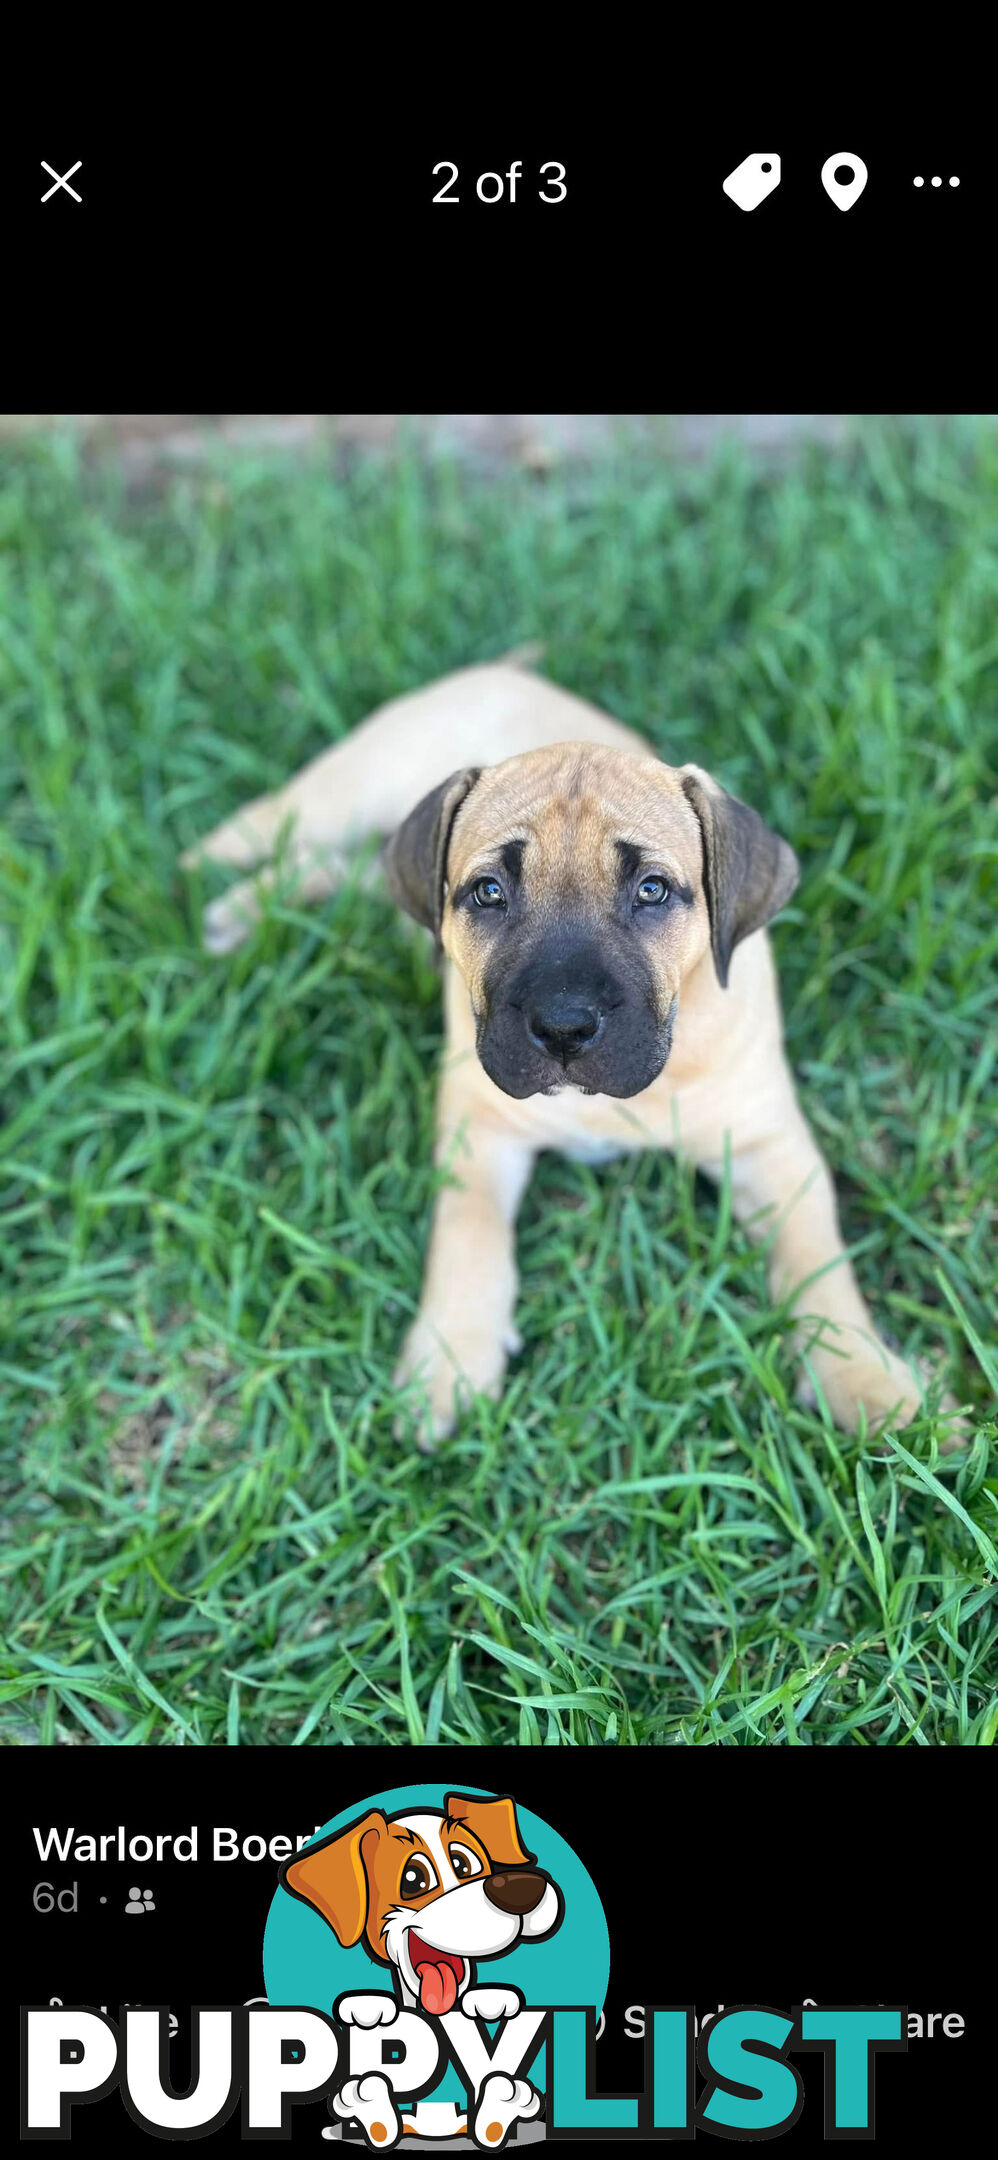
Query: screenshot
x: 498, y: 1152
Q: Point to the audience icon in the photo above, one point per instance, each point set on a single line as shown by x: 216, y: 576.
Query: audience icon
x: 140, y: 1901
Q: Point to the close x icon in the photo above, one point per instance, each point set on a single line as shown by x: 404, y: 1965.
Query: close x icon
x: 61, y: 180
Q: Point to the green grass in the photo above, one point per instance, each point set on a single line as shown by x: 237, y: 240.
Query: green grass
x: 215, y: 1175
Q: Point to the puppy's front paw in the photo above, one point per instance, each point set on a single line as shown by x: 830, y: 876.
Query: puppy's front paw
x: 491, y: 2003
x: 447, y: 1364
x: 502, y: 2102
x: 368, y: 2101
x: 366, y: 2010
x: 226, y: 923
x: 861, y: 1376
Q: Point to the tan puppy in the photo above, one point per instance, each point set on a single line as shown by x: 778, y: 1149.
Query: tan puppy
x: 608, y: 985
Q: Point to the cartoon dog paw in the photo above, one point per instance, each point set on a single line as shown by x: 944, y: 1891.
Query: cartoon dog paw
x: 491, y: 2002
x: 502, y: 2102
x: 366, y: 2010
x: 368, y: 2101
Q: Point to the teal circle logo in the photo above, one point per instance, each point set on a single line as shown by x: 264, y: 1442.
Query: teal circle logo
x: 355, y: 1881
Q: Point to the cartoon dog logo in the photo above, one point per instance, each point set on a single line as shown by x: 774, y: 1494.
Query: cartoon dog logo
x: 431, y: 1894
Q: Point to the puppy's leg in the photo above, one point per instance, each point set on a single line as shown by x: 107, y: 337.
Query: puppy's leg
x: 464, y: 1331
x: 310, y: 825
x: 248, y: 838
x: 782, y: 1191
x: 227, y: 922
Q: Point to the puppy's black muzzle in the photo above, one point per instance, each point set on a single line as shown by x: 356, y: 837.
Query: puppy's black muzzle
x: 575, y: 1011
x: 565, y: 1025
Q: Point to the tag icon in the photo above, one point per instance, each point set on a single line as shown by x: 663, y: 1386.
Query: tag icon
x: 843, y: 178
x: 753, y: 180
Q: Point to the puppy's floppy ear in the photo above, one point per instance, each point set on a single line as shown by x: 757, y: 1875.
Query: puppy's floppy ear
x: 494, y: 1823
x: 415, y: 857
x: 749, y: 873
x: 333, y: 1875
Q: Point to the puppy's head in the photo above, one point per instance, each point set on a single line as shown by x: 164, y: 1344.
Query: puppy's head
x: 575, y: 888
x: 429, y: 1892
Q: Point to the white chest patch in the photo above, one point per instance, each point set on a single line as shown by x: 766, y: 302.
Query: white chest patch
x: 592, y: 1151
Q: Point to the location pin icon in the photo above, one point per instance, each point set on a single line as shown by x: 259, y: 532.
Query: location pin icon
x: 843, y: 178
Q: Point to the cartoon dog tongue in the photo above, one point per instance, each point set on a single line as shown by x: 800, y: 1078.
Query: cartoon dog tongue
x: 437, y: 1988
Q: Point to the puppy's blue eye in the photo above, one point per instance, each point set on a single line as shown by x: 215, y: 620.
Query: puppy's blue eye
x: 489, y: 893
x: 651, y: 892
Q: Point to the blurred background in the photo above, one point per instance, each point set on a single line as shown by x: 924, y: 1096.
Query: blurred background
x: 147, y: 443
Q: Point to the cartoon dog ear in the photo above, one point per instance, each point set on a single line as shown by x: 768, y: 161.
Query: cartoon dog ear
x: 333, y: 1876
x: 494, y: 1823
x: 415, y: 857
x: 749, y: 873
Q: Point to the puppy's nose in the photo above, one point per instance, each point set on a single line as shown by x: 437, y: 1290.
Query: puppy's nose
x: 515, y: 1893
x: 565, y: 1025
